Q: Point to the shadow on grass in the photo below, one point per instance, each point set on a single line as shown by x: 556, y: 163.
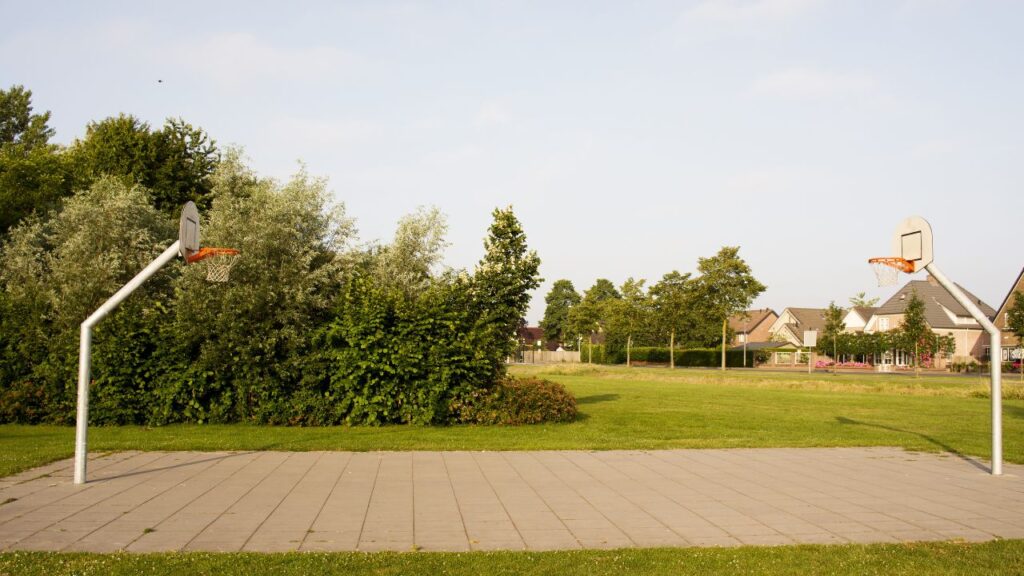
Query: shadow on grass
x: 945, y: 447
x: 595, y: 398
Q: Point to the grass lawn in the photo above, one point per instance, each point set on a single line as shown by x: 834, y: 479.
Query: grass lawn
x: 999, y: 557
x: 639, y: 408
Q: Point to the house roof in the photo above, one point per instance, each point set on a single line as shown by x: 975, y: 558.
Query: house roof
x: 935, y: 298
x: 749, y: 320
x: 531, y: 333
x: 1018, y: 286
x: 808, y: 319
x: 865, y: 312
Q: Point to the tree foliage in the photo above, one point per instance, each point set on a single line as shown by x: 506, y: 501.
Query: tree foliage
x: 725, y: 286
x: 34, y: 176
x: 559, y: 301
x: 860, y: 300
x: 176, y: 163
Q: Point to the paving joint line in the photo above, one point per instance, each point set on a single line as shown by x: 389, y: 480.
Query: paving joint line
x: 236, y: 500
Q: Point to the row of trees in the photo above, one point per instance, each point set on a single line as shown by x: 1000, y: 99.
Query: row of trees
x: 680, y: 310
x: 313, y: 328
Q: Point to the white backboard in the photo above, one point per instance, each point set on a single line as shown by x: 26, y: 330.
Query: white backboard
x: 188, y: 230
x: 913, y: 242
x: 810, y: 338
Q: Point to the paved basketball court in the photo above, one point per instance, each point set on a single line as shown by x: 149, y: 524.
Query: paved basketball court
x: 273, y: 501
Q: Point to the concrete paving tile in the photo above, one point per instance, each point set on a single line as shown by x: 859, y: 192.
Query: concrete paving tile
x: 549, y: 540
x: 764, y: 540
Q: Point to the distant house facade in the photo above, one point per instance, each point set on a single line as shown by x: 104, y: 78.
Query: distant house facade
x: 1011, y: 345
x: 943, y: 314
x: 793, y: 322
x: 857, y: 318
x: 752, y: 326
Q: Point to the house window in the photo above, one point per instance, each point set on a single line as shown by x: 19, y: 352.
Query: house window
x: 986, y: 352
x: 883, y: 324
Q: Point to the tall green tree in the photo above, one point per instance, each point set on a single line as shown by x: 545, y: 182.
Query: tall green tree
x: 914, y: 330
x: 1015, y: 322
x: 834, y: 327
x: 559, y: 302
x: 502, y: 281
x: 590, y: 315
x: 671, y: 302
x: 34, y: 175
x: 176, y: 163
x: 628, y: 317
x: 409, y: 262
x: 725, y: 286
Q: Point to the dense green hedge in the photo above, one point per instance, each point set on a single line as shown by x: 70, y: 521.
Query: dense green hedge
x: 700, y: 357
x: 307, y: 332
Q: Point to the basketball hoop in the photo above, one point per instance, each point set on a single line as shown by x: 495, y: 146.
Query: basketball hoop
x: 888, y: 269
x: 219, y: 262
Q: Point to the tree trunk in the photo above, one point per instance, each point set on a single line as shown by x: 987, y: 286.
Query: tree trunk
x: 725, y: 324
x: 917, y: 362
x: 590, y: 349
x: 629, y: 344
x: 835, y: 360
x: 672, y: 349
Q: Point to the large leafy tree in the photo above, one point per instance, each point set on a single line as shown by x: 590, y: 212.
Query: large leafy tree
x: 628, y: 317
x: 672, y: 308
x: 410, y: 261
x: 34, y: 175
x: 590, y: 315
x: 59, y: 270
x: 725, y: 286
x: 176, y: 163
x: 559, y: 302
x: 1015, y: 322
x: 914, y: 331
x: 834, y: 327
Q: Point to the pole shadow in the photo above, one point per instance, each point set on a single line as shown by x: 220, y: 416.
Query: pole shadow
x: 100, y: 477
x: 945, y: 447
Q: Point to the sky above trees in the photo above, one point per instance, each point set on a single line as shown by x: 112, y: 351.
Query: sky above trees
x: 630, y: 138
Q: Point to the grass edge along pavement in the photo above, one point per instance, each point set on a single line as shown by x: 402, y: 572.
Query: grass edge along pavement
x: 624, y: 408
x: 994, y: 557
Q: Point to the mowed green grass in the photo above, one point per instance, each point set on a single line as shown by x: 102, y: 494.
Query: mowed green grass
x: 999, y: 557
x: 621, y: 408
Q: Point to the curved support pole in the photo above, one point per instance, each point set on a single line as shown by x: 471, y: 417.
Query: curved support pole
x: 995, y: 341
x: 85, y: 355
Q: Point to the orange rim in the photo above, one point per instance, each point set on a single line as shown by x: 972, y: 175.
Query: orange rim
x: 205, y: 253
x: 896, y: 262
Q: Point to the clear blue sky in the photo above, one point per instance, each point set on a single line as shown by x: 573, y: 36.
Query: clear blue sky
x: 631, y: 138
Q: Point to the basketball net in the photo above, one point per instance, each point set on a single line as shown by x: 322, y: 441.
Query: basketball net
x: 218, y: 261
x: 887, y: 270
x: 219, y: 269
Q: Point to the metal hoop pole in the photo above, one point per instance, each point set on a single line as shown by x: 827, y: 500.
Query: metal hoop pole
x: 85, y: 355
x: 995, y: 340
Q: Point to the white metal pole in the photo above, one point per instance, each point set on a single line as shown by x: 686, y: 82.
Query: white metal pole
x: 996, y: 340
x: 85, y: 355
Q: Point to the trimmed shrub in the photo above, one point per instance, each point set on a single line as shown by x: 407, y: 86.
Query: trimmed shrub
x: 515, y: 401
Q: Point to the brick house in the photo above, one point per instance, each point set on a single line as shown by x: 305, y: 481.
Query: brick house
x: 791, y: 324
x: 1011, y: 345
x: 943, y: 314
x: 752, y: 326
